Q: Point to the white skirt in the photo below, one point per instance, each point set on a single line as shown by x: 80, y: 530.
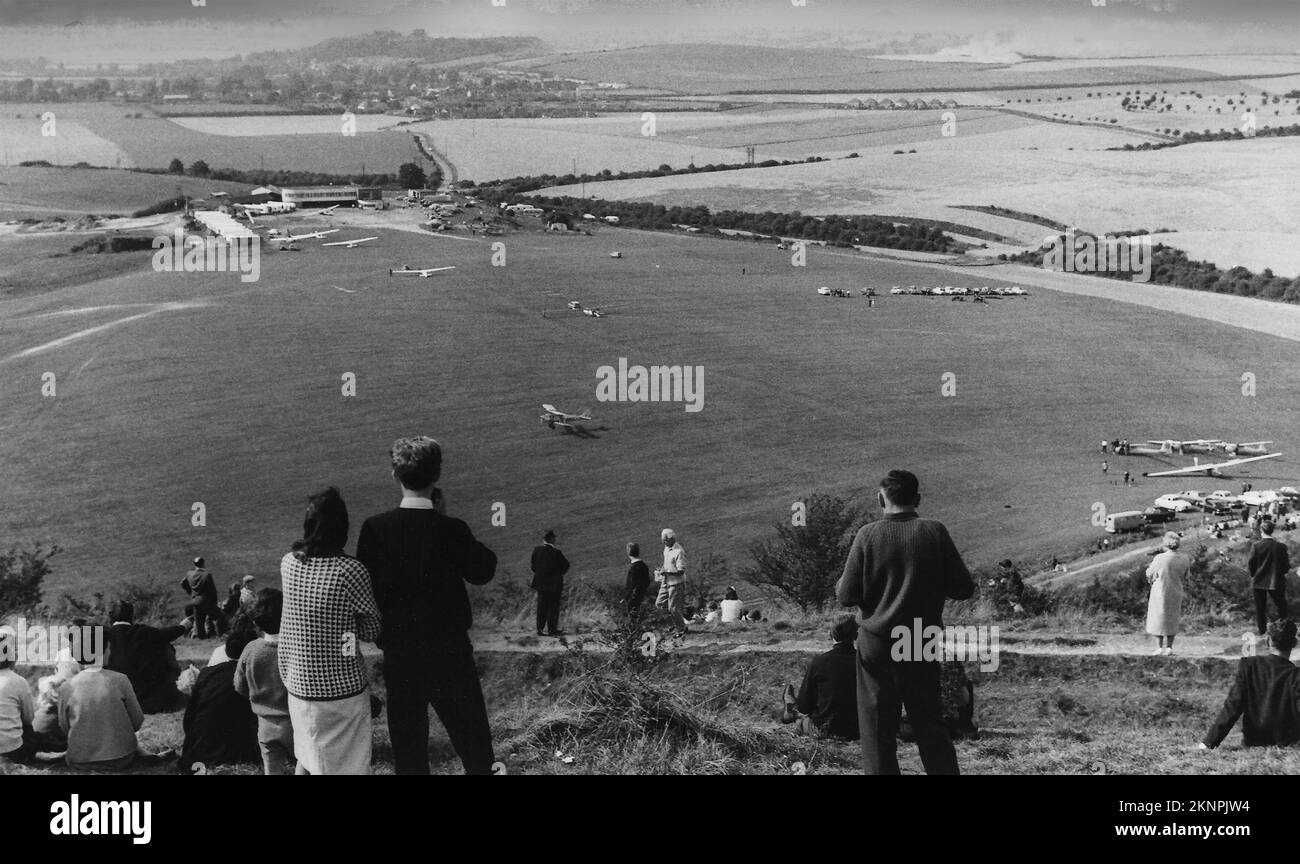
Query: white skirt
x: 332, y: 737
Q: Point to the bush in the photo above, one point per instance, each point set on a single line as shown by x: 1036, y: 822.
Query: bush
x: 803, y: 562
x: 156, y: 601
x: 993, y: 588
x: 116, y: 243
x: 704, y: 581
x: 506, y: 599
x: 22, y: 577
x: 171, y: 205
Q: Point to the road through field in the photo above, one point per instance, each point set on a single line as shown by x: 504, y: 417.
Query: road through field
x: 1262, y: 316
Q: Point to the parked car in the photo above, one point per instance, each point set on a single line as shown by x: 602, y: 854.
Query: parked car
x: 1159, y: 514
x: 1174, y: 503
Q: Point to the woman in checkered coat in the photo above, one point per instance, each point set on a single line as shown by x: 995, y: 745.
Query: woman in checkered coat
x: 329, y: 608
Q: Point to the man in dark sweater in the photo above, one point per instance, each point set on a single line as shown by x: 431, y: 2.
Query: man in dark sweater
x: 419, y: 561
x: 144, y: 655
x: 1269, y: 563
x: 1264, y: 695
x: 900, y: 568
x: 828, y: 698
x: 638, y: 579
x: 549, y: 566
x: 202, y: 588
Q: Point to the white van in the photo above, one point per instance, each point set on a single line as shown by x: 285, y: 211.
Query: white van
x: 1129, y: 520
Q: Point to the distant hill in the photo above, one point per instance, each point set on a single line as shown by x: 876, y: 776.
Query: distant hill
x: 412, y: 46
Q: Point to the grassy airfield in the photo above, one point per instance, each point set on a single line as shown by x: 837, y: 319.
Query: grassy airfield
x: 177, y: 388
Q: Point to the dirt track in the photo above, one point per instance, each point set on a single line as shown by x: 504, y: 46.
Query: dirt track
x: 765, y: 640
x: 1261, y: 316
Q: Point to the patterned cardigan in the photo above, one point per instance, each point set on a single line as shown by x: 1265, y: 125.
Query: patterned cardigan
x: 329, y: 609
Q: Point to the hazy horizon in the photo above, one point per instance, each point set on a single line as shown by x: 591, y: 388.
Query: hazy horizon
x: 80, y: 33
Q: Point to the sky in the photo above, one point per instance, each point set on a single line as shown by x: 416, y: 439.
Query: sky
x: 135, y: 30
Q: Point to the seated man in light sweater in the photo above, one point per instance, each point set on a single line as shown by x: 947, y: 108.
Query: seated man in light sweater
x: 17, y: 740
x: 257, y: 678
x: 100, y: 714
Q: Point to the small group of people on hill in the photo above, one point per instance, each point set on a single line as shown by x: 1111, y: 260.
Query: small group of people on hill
x: 204, y: 617
x: 84, y: 715
x: 549, y: 565
x: 289, y: 683
x: 1268, y: 566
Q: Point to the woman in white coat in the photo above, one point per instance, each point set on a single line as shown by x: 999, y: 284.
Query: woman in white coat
x: 1164, y: 608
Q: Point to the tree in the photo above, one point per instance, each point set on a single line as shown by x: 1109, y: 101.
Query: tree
x: 804, y: 561
x: 199, y: 168
x: 410, y: 176
x: 22, y: 574
x: 176, y: 166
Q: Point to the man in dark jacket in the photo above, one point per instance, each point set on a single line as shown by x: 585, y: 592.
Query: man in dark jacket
x: 638, y: 579
x: 144, y: 655
x: 419, y: 561
x: 549, y: 566
x: 202, y: 588
x: 899, y: 569
x: 1268, y: 565
x: 828, y: 698
x: 1264, y: 695
x: 220, y: 726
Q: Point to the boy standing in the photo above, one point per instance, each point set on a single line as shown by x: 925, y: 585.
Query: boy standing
x: 257, y: 677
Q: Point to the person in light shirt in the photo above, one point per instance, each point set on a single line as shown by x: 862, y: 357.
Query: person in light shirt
x: 672, y: 580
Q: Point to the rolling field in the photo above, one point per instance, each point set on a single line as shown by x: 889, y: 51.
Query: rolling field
x: 1236, y: 187
x: 493, y: 149
x: 183, y: 388
x: 710, y: 69
x: 281, y: 124
x: 43, y: 192
x: 150, y: 141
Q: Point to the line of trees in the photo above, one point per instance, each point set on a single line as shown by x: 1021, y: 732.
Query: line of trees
x: 507, y: 189
x: 842, y: 231
x: 1221, y: 135
x: 432, y: 174
x: 1170, y: 266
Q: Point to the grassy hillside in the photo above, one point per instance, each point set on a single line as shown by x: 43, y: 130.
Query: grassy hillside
x: 1117, y: 715
x: 151, y: 141
x: 229, y: 394
x: 39, y: 193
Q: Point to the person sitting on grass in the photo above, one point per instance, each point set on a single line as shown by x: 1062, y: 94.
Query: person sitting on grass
x: 1263, y: 695
x: 17, y: 710
x: 956, y: 705
x: 257, y: 679
x: 732, y: 608
x: 99, y: 714
x: 230, y: 606
x: 244, y: 620
x: 220, y: 727
x: 1008, y: 588
x: 49, y: 737
x: 146, y: 657
x: 827, y: 703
